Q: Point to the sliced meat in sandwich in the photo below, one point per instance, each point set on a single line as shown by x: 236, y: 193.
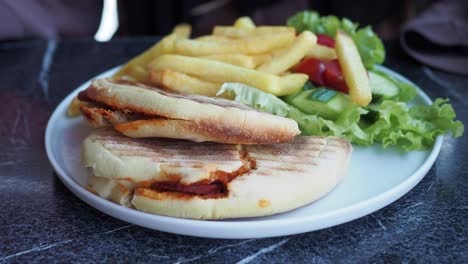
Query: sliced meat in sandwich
x: 208, y: 180
x: 140, y: 111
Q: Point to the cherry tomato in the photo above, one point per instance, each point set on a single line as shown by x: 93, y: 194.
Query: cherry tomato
x: 333, y: 76
x: 325, y: 40
x: 324, y: 73
x: 314, y: 68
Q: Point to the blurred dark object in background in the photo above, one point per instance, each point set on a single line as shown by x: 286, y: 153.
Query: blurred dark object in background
x: 147, y: 17
x: 64, y: 18
x: 439, y: 37
x: 48, y: 18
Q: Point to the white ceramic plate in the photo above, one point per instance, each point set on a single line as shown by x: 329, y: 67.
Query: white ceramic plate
x: 377, y: 177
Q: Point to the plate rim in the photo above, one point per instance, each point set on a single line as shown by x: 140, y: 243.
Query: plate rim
x: 251, y: 228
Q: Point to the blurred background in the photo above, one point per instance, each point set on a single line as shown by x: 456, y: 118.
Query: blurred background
x: 65, y: 18
x: 424, y: 27
x: 386, y: 16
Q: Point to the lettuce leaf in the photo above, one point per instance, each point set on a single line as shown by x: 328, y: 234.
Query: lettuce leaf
x: 416, y: 127
x: 345, y: 126
x: 255, y: 98
x: 369, y: 45
x: 409, y: 128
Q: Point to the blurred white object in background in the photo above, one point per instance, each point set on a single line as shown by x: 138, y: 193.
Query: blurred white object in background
x: 109, y: 21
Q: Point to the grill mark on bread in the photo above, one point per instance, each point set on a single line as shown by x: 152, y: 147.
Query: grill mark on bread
x: 146, y: 147
x: 173, y: 152
x: 205, y: 150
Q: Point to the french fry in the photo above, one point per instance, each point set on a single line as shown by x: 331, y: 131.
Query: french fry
x: 260, y: 59
x: 291, y: 55
x: 74, y: 108
x: 322, y: 53
x: 250, y: 45
x: 236, y: 32
x: 136, y: 68
x: 182, y: 30
x: 354, y: 73
x: 234, y: 59
x: 183, y: 83
x: 211, y: 38
x: 277, y: 52
x: 218, y: 72
x: 291, y: 83
x: 244, y: 22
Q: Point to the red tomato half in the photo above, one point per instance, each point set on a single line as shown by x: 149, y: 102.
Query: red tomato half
x: 333, y: 76
x: 324, y: 73
x: 314, y: 68
x: 325, y: 40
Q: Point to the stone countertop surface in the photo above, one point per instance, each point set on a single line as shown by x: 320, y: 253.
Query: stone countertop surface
x: 41, y: 220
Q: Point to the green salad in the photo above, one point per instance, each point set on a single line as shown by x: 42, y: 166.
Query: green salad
x: 391, y: 119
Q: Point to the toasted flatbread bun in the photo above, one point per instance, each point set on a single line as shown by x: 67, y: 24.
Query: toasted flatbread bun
x: 214, y: 181
x: 176, y: 115
x: 119, y: 191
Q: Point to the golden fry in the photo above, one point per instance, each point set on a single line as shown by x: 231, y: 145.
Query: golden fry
x: 211, y: 38
x: 354, y: 73
x: 74, y: 108
x: 218, y: 72
x: 250, y: 45
x: 244, y: 22
x: 183, y: 83
x: 291, y: 55
x: 136, y: 68
x: 291, y: 83
x: 260, y: 59
x: 322, y: 53
x: 236, y: 32
x: 234, y: 59
x: 182, y: 30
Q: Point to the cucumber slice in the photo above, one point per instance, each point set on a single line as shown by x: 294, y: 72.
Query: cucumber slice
x: 323, y: 102
x: 382, y: 88
x: 322, y: 95
x: 307, y: 86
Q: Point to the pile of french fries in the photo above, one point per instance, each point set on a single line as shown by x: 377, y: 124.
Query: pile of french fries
x: 262, y: 57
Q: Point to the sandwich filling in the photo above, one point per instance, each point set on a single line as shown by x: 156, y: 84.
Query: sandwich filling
x: 214, y: 187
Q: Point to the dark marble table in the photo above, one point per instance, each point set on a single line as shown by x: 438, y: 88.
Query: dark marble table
x: 41, y: 220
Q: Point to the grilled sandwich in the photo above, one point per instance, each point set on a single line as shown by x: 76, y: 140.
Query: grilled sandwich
x: 208, y: 180
x: 141, y: 111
